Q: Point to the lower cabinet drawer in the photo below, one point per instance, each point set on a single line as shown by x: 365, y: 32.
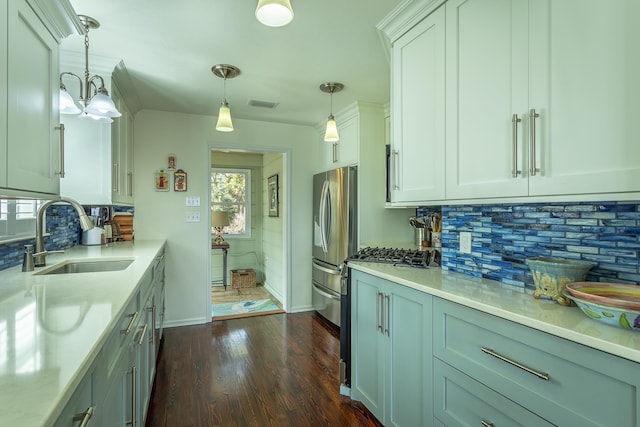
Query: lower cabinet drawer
x: 461, y: 401
x: 123, y: 334
x: 559, y: 380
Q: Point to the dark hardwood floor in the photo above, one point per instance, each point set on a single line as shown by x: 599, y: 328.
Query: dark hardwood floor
x: 275, y: 370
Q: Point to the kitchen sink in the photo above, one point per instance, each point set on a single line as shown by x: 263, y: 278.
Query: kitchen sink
x: 88, y: 266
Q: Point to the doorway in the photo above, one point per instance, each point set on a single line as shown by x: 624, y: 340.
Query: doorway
x: 257, y: 235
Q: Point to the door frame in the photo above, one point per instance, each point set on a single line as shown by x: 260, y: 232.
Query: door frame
x: 285, y: 185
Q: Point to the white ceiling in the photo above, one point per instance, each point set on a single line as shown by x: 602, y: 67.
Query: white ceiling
x: 169, y: 47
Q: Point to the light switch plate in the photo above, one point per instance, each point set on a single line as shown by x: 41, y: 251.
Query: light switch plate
x: 192, y: 217
x: 192, y: 201
x: 465, y: 242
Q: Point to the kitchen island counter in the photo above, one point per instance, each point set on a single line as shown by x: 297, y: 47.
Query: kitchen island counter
x: 52, y: 327
x: 513, y: 304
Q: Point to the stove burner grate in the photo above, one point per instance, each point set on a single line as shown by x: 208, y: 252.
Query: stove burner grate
x: 410, y: 257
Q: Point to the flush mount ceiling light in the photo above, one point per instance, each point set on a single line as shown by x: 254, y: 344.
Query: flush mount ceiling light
x: 331, y: 133
x: 93, y: 97
x: 274, y: 13
x: 225, y: 72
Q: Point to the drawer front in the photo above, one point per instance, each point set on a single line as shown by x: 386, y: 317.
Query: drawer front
x: 123, y: 333
x: 461, y: 401
x: 584, y: 387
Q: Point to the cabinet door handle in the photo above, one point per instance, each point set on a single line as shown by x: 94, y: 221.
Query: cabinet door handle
x: 154, y: 311
x: 134, y: 387
x: 541, y: 375
x: 133, y: 317
x: 335, y: 152
x: 61, y: 129
x: 144, y: 332
x: 84, y: 417
x: 378, y: 322
x: 514, y: 145
x: 396, y: 169
x: 130, y: 184
x: 114, y: 178
x: 486, y: 423
x: 386, y: 310
x: 532, y: 142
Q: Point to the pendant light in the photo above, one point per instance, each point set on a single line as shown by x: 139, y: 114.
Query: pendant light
x: 274, y: 13
x: 93, y: 95
x: 225, y: 72
x: 331, y: 133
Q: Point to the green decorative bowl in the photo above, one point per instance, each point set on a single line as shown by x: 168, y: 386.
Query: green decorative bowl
x: 613, y: 316
x: 551, y: 275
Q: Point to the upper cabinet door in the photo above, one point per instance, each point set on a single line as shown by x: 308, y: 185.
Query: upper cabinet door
x: 487, y: 60
x: 417, y: 118
x: 3, y: 99
x: 33, y: 152
x: 585, y: 88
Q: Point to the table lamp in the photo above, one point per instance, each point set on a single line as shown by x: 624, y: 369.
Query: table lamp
x: 219, y: 220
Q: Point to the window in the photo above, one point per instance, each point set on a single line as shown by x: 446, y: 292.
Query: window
x: 231, y: 192
x: 18, y: 218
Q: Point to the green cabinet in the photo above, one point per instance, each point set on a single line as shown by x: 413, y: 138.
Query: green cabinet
x: 391, y: 351
x: 510, y: 371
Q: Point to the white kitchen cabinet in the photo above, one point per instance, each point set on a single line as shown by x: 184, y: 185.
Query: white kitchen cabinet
x: 542, y: 104
x: 418, y: 117
x: 391, y: 351
x: 30, y: 140
x: 98, y: 156
x: 121, y: 151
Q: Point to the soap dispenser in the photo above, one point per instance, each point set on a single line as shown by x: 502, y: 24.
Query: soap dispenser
x: 27, y: 259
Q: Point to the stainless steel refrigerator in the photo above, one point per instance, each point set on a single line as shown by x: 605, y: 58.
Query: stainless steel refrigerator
x: 334, y: 236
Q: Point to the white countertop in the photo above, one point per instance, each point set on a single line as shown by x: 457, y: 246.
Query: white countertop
x: 512, y: 303
x: 53, y: 326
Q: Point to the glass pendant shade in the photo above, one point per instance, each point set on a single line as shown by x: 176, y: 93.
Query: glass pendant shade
x: 224, y: 119
x: 274, y: 13
x: 100, y: 119
x: 102, y: 105
x: 67, y: 104
x: 331, y: 133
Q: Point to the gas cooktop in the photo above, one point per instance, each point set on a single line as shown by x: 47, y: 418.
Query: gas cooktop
x: 408, y: 257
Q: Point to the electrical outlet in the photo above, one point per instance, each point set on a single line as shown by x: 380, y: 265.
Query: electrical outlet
x: 465, y: 242
x: 192, y: 217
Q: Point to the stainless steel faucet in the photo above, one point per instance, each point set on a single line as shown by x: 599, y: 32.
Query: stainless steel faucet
x: 85, y: 223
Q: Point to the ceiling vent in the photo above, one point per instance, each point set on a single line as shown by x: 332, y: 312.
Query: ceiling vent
x: 263, y: 104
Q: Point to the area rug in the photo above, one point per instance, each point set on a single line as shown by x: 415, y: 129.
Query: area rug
x: 234, y: 310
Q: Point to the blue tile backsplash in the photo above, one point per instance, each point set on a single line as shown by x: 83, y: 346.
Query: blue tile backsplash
x: 63, y: 227
x: 503, y: 236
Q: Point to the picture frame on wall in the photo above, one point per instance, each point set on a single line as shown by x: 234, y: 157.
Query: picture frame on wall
x: 162, y: 180
x: 179, y: 180
x: 272, y: 194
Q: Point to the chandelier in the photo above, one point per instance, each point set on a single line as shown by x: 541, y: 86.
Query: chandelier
x: 94, y: 98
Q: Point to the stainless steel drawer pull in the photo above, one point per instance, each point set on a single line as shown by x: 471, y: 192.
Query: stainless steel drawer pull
x: 514, y: 149
x: 84, y: 417
x: 486, y: 423
x: 133, y: 317
x: 541, y: 375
